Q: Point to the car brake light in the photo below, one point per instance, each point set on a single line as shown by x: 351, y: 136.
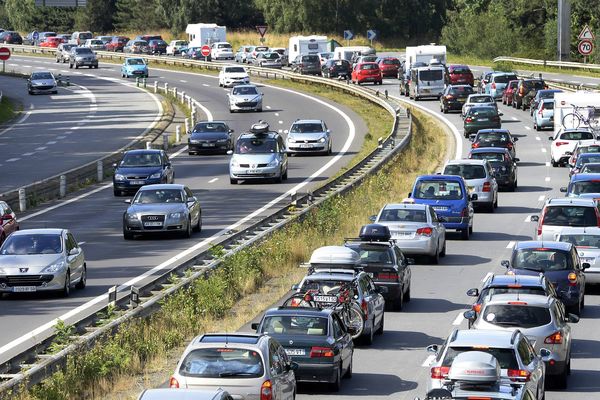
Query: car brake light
x: 561, y: 143
x: 475, y: 145
x: 487, y: 187
x: 449, y: 97
x: 365, y: 308
x: 476, y: 307
x: 509, y: 146
x: 439, y: 372
x: 388, y: 276
x: 514, y: 286
x: 266, y: 391
x: 555, y: 338
x: 468, y: 119
x: 494, y: 85
x: 316, y: 352
x: 424, y: 231
x: 572, y: 279
x: 517, y: 303
x: 173, y: 383
x: 520, y: 375
x: 464, y: 212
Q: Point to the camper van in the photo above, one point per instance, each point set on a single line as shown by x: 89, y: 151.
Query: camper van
x: 205, y: 34
x: 426, y: 82
x: 347, y: 53
x: 307, y: 45
x: 427, y: 54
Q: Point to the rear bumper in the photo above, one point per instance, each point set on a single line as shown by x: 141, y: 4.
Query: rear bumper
x: 316, y: 373
x: 422, y: 245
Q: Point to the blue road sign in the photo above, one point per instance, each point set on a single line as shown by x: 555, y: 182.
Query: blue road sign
x: 348, y: 35
x: 36, y: 35
x: 371, y: 34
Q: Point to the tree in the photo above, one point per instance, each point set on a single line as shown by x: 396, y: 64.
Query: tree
x: 96, y: 16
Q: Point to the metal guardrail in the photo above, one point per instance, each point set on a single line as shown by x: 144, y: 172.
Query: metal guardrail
x: 548, y: 63
x: 31, y: 367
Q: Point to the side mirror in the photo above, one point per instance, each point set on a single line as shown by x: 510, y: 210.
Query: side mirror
x: 585, y: 265
x: 373, y: 218
x: 505, y: 263
x: 516, y: 139
x: 500, y: 114
x: 470, y: 315
x: 474, y: 196
x: 441, y: 219
x: 229, y: 152
x: 535, y: 218
x: 254, y: 326
x: 192, y: 200
x: 568, y: 153
x: 563, y: 189
x: 550, y: 138
x: 410, y: 261
x: 472, y: 138
x: 295, y: 286
x: 231, y: 131
x: 572, y: 318
x: 516, y: 159
x: 473, y: 292
x: 432, y: 348
x: 409, y: 194
x: 114, y: 165
x: 74, y: 251
x: 127, y: 201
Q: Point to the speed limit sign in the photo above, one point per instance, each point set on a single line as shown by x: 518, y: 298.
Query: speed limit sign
x: 585, y: 47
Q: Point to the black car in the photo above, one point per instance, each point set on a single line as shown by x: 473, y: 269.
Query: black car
x: 210, y: 136
x: 504, y: 166
x: 142, y: 167
x: 336, y: 69
x: 454, y: 97
x: 11, y: 37
x: 157, y: 46
x: 495, y: 138
x: 383, y: 260
x: 316, y: 339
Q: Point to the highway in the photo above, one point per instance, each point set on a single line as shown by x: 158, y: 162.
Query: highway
x: 96, y: 219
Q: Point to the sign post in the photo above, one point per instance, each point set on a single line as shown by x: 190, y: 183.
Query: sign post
x: 586, y: 42
x: 4, y: 55
x: 205, y: 51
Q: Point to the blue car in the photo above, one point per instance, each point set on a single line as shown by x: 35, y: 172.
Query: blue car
x: 583, y: 185
x: 142, y: 167
x: 448, y: 195
x: 134, y: 67
x: 498, y: 81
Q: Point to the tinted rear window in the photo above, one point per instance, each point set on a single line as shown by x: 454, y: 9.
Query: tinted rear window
x: 402, y: 215
x: 542, y: 259
x: 461, y: 90
x: 312, y: 59
x: 488, y: 156
x: 493, y: 137
x: 534, y: 84
x: 506, y: 357
x: 588, y: 158
x: 295, y: 325
x: 222, y: 363
x: 431, y: 75
x: 570, y: 216
x: 591, y: 168
x: 582, y: 240
x: 460, y: 70
x: 582, y: 187
x: 466, y: 171
x: 504, y: 78
x: 374, y: 254
x: 524, y: 316
x: 577, y: 135
x: 483, y: 112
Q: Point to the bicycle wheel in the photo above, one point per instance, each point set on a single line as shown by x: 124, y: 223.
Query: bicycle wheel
x: 353, y: 318
x: 571, y: 121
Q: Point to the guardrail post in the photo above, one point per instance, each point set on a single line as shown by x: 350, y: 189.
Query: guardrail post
x: 145, y: 81
x: 112, y: 296
x: 294, y: 201
x: 166, y: 87
x: 165, y: 137
x: 99, y: 171
x: 187, y: 125
x: 134, y: 298
x: 182, y: 96
x: 148, y: 145
x: 190, y: 103
x: 62, y: 187
x: 380, y: 143
x: 177, y: 133
x: 68, y: 81
x: 22, y: 200
x: 175, y: 93
x: 155, y: 86
x: 137, y: 81
x: 386, y: 93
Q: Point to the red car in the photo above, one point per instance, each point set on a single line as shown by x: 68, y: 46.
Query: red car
x: 389, y: 66
x: 367, y: 72
x: 117, y: 43
x: 460, y: 75
x: 8, y: 221
x: 507, y: 96
x: 52, y: 42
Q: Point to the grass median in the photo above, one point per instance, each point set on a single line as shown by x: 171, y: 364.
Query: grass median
x: 7, y: 110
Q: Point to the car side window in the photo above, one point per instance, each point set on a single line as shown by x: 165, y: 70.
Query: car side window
x: 576, y: 263
x: 275, y: 359
x: 70, y: 243
x: 338, y: 326
x: 524, y: 353
x: 188, y: 192
x: 433, y: 215
x: 399, y: 256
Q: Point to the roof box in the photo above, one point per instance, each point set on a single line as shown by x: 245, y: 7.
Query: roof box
x: 475, y: 367
x: 375, y: 233
x: 334, y: 256
x: 260, y: 127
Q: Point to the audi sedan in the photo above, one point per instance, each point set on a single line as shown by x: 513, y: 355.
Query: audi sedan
x: 162, y: 208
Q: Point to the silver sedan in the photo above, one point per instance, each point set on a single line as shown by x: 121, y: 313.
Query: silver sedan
x: 162, y: 208
x: 245, y: 98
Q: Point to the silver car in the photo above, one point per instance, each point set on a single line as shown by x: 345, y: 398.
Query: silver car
x: 587, y: 243
x: 309, y: 136
x: 542, y: 319
x: 543, y: 115
x: 478, y: 100
x: 479, y: 176
x: 245, y: 98
x: 162, y: 208
x: 63, y: 52
x: 41, y: 260
x: 41, y: 82
x: 268, y: 59
x: 518, y: 361
x: 184, y: 394
x: 248, y: 366
x: 415, y: 227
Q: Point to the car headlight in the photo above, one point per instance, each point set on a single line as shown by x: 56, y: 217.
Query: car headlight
x: 175, y: 215
x: 156, y: 175
x: 291, y: 139
x: 273, y: 163
x: 234, y: 164
x: 193, y: 141
x: 119, y: 177
x: 323, y: 139
x: 131, y: 216
x: 54, y: 267
x: 79, y: 58
x: 222, y: 141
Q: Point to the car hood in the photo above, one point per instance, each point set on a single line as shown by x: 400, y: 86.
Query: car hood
x: 156, y: 208
x: 306, y: 136
x: 44, y: 82
x: 34, y: 262
x: 138, y: 170
x: 253, y: 158
x: 209, y: 135
x: 243, y: 97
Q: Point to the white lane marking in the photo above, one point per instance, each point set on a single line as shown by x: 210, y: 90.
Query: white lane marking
x: 20, y: 121
x: 205, y: 110
x: 528, y: 218
x: 13, y: 65
x: 227, y: 90
x: 205, y: 85
x: 574, y: 81
x: 538, y: 138
x: 40, y: 149
x: 428, y: 360
x: 544, y: 150
x: 26, y: 66
x: 213, y: 180
x: 281, y: 122
x: 80, y: 243
x: 51, y: 142
x: 515, y: 118
x: 458, y: 320
x: 510, y: 245
x: 542, y: 198
x: 269, y: 107
x: 28, y: 154
x: 277, y: 114
x: 528, y: 128
x: 60, y: 137
x: 182, y: 81
x: 487, y: 276
x: 13, y: 159
x: 547, y: 179
x: 547, y: 163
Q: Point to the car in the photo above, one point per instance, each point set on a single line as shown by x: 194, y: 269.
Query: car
x: 245, y: 97
x: 416, y: 228
x: 308, y: 136
x: 559, y: 262
x: 162, y: 208
x: 247, y: 366
x: 564, y: 142
x: 382, y: 258
x: 358, y: 58
x: 42, y: 260
x: 95, y: 44
x: 82, y: 56
x: 63, y: 52
x: 117, y: 43
x: 315, y: 339
x: 283, y: 53
x: 526, y: 91
x: 478, y: 100
x: 544, y: 94
x: 582, y: 159
x: 148, y: 38
x: 306, y: 64
x: 449, y: 197
x: 503, y: 165
x: 157, y: 47
x: 388, y: 65
x: 142, y: 167
x: 367, y: 72
x: 495, y: 138
x: 460, y: 75
x: 498, y: 81
x: 324, y: 56
x: 104, y: 38
x: 184, y: 394
x: 211, y: 137
x: 481, y: 117
x: 255, y: 50
x: 583, y: 146
x: 8, y: 221
x: 51, y: 42
x: 42, y: 36
x: 336, y: 69
x: 561, y: 213
x: 507, y: 96
x: 519, y: 363
x: 79, y: 38
x: 41, y: 82
x: 175, y: 46
x: 590, y: 168
x: 193, y: 53
x: 134, y: 67
x: 11, y: 37
x: 221, y: 51
x: 268, y: 60
x: 583, y: 185
x: 231, y: 75
x: 542, y: 319
x: 454, y: 97
x: 480, y: 179
x: 543, y: 115
x: 242, y: 53
x: 259, y: 153
x: 587, y: 243
x: 136, y: 47
x: 28, y: 40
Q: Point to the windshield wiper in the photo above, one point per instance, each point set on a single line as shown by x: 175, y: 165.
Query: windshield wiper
x: 228, y: 374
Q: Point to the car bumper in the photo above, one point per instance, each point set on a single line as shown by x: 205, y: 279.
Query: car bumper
x: 233, y: 82
x: 207, y: 147
x: 316, y: 373
x: 311, y: 70
x: 457, y: 223
x: 128, y: 186
x: 306, y: 147
x: 369, y: 79
x: 251, y: 106
x: 258, y: 173
x: 140, y: 73
x: 544, y: 122
x: 393, y: 290
x: 86, y: 63
x: 484, y: 197
x: 223, y: 57
x: 170, y: 225
x: 422, y: 245
x: 42, y: 89
x: 555, y: 367
x: 31, y: 283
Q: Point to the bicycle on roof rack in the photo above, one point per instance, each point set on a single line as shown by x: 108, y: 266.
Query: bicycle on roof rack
x: 589, y: 118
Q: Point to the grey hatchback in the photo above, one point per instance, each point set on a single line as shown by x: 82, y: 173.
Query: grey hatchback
x: 307, y: 64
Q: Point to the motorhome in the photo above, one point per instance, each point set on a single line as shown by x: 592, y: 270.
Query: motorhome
x: 426, y: 82
x: 205, y: 34
x: 307, y: 45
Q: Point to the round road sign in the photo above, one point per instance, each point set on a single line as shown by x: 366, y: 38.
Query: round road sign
x: 585, y: 47
x: 4, y: 53
x: 205, y: 51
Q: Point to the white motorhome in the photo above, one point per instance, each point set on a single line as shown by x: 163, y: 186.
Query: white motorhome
x: 584, y: 113
x: 307, y: 45
x: 347, y: 52
x: 205, y: 34
x: 428, y: 54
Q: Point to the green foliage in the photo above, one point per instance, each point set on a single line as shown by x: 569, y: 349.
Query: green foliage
x: 96, y: 16
x: 63, y: 336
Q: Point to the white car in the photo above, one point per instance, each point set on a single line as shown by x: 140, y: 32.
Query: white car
x: 231, y: 75
x: 221, y: 51
x: 587, y: 243
x: 95, y: 44
x: 479, y: 100
x: 175, y: 46
x: 564, y: 142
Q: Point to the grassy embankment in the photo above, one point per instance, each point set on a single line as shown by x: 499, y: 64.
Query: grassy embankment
x: 7, y: 110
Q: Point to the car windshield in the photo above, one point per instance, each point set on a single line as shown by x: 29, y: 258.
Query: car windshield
x: 244, y: 90
x: 582, y: 187
x: 429, y: 75
x: 481, y: 99
x: 570, y: 216
x: 141, y: 160
x: 295, y: 325
x: 577, y: 135
x: 235, y: 70
x: 256, y: 145
x: 205, y: 127
x: 522, y: 315
x: 229, y: 362
x: 307, y: 128
x: 83, y: 50
x: 591, y: 168
x: 493, y: 137
x: 466, y: 171
x: 41, y: 75
x: 135, y: 61
x: 96, y: 41
x: 402, y: 215
x: 17, y: 245
x: 534, y: 84
x: 498, y: 157
x: 156, y: 196
x: 541, y: 259
x: 504, y: 78
x: 506, y: 357
x: 438, y: 189
x: 586, y: 240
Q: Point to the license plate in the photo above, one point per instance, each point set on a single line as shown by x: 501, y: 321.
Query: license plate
x: 483, y: 119
x: 440, y: 208
x: 295, y: 352
x: 306, y: 146
x: 24, y: 289
x: 253, y: 171
x: 325, y: 299
x: 208, y: 145
x: 158, y: 223
x: 137, y: 182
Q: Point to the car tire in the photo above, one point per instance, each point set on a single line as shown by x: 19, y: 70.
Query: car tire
x: 348, y: 373
x: 582, y: 306
x: 445, y: 110
x: 336, y: 385
x: 76, y: 66
x: 127, y: 235
x: 561, y: 379
x: 399, y: 302
x: 435, y: 259
x: 465, y: 233
x: 471, y: 230
x: 83, y: 280
x: 407, y: 294
x: 491, y: 207
x: 379, y: 330
x: 55, y: 92
x: 30, y: 92
x: 443, y: 252
x: 198, y: 227
x: 66, y: 290
x: 285, y: 175
x: 188, y: 230
x: 496, y: 202
x: 233, y: 181
x: 70, y: 66
x: 554, y: 163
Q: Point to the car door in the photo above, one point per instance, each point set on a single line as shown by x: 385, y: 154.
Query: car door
x: 403, y: 269
x: 193, y: 205
x: 288, y: 387
x: 74, y: 256
x: 9, y: 219
x: 578, y: 270
x: 529, y: 359
x: 276, y: 368
x: 374, y: 298
x: 282, y: 153
x: 168, y: 168
x: 438, y: 228
x: 342, y: 341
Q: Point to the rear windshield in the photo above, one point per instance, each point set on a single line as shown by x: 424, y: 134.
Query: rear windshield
x: 466, y: 171
x: 542, y: 259
x: 331, y: 287
x: 85, y: 35
x: 486, y: 112
x: 369, y: 66
x: 506, y: 357
x: 534, y: 84
x: 222, y: 363
x: 481, y: 99
x: 547, y: 95
x: 548, y: 105
x: 313, y: 59
x: 523, y: 316
x: 586, y: 240
x: 582, y: 187
x: 460, y: 70
x: 504, y: 78
x: 402, y: 215
x: 388, y: 61
x: 493, y: 137
x: 487, y: 293
x: 461, y: 90
x: 438, y: 189
x: 271, y: 56
x: 295, y: 325
x: 488, y: 156
x: 590, y: 168
x: 577, y: 135
x: 589, y: 149
x: 431, y: 75
x: 224, y: 46
x: 374, y: 254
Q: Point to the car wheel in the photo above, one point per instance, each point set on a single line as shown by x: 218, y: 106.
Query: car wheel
x: 368, y: 339
x: 379, y: 330
x: 187, y: 233
x: 336, y: 385
x: 70, y: 65
x: 465, y: 233
x: 198, y: 227
x: 435, y: 259
x: 348, y: 373
x: 443, y: 252
x: 491, y: 207
x: 57, y: 60
x: 471, y: 230
x: 279, y: 178
x: 285, y: 175
x: 445, y: 110
x: 496, y: 202
x: 83, y: 280
x: 127, y: 235
x: 233, y: 181
x: 582, y: 302
x: 561, y: 380
x: 66, y: 290
x: 76, y: 66
x: 30, y: 92
x: 399, y: 302
x: 554, y: 163
x: 407, y: 294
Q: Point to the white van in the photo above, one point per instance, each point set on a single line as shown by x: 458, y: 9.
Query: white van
x: 79, y: 38
x: 306, y: 45
x: 426, y: 82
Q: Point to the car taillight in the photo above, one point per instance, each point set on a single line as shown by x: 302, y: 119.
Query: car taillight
x: 365, y: 308
x: 540, y: 224
x: 464, y: 212
x: 476, y: 307
x: 509, y: 146
x: 468, y: 119
x: 392, y: 276
x: 487, y: 187
x: 475, y: 145
x: 266, y: 391
x: 439, y: 372
x: 449, y: 97
x: 317, y: 352
x: 555, y: 338
x: 521, y: 91
x: 541, y: 109
x: 572, y: 279
x: 173, y: 383
x: 519, y: 375
x: 427, y: 231
x: 561, y: 143
x: 494, y: 85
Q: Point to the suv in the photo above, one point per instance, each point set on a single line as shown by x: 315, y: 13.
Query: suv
x: 259, y: 154
x: 307, y: 64
x: 518, y: 360
x: 309, y: 136
x: 564, y: 142
x: 526, y: 91
x: 231, y: 75
x: 82, y: 56
x: 11, y: 37
x: 564, y: 213
x: 79, y: 38
x: 479, y: 176
x: 63, y: 52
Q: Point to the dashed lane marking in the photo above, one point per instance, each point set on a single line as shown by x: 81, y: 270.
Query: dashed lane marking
x: 213, y: 180
x: 547, y: 179
x: 510, y: 245
x: 542, y: 198
x: 458, y: 320
x: 544, y: 150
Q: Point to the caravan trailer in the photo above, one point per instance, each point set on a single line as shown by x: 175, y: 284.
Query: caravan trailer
x: 205, y: 34
x: 307, y: 45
